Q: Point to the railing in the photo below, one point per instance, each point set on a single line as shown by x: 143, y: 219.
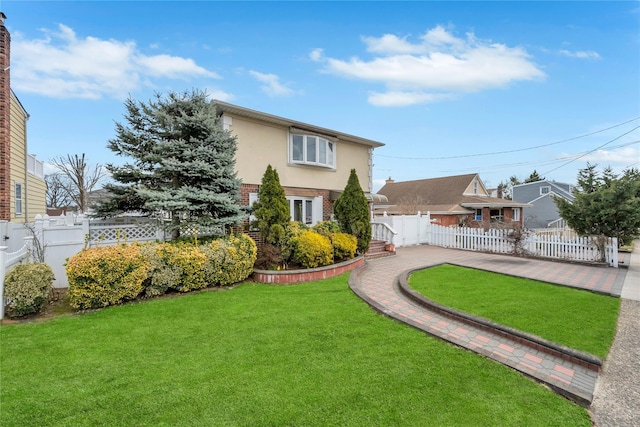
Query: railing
x: 381, y: 231
x: 35, y: 166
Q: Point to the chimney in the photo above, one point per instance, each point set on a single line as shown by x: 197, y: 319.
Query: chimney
x: 500, y: 191
x: 389, y: 181
x: 5, y: 131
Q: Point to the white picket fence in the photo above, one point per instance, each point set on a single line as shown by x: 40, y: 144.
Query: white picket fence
x: 407, y: 230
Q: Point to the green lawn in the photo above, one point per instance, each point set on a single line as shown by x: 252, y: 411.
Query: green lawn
x: 575, y: 318
x: 257, y: 355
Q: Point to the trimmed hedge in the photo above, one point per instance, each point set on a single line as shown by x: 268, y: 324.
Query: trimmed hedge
x: 110, y: 275
x: 106, y: 275
x: 344, y: 246
x: 28, y: 287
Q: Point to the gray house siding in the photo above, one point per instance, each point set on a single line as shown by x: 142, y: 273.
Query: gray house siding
x: 544, y: 209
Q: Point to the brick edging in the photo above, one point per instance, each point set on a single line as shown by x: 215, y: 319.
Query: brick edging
x: 577, y: 357
x: 307, y: 275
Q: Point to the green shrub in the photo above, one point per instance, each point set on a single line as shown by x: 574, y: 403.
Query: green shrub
x: 352, y: 212
x: 28, y: 287
x: 106, y: 275
x: 327, y: 228
x: 312, y: 250
x: 292, y: 231
x: 189, y: 261
x: 160, y: 275
x: 230, y: 260
x: 344, y: 246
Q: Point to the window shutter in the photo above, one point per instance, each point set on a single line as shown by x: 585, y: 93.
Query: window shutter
x: 317, y: 210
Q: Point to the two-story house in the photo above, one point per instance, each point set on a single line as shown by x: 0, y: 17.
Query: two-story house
x: 22, y: 185
x: 460, y: 200
x: 543, y: 212
x: 313, y: 163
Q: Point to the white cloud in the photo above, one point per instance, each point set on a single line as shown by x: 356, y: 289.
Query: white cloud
x: 623, y: 156
x: 589, y: 54
x: 440, y: 65
x: 272, y: 85
x: 61, y: 65
x: 220, y: 95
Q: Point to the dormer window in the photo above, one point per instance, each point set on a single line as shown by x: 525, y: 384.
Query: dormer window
x: 545, y: 190
x: 312, y: 150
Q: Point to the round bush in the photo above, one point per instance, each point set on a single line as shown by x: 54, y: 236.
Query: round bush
x: 104, y: 276
x: 28, y: 287
x: 312, y: 250
x: 327, y: 228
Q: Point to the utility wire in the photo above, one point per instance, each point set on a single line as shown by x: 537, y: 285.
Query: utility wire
x: 510, y: 151
x: 589, y: 152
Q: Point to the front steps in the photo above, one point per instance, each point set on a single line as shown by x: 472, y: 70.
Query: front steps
x: 377, y: 250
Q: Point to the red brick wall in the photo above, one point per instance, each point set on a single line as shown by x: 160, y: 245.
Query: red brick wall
x: 5, y: 141
x: 327, y: 205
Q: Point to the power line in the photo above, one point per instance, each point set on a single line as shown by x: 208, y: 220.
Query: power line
x: 510, y: 151
x: 589, y: 152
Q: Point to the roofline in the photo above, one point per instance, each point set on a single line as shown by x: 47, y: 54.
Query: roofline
x: 494, y: 204
x: 554, y: 183
x: 224, y: 107
x: 20, y: 104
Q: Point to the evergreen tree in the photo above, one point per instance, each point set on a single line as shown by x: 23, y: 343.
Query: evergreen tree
x: 272, y: 208
x: 604, y: 204
x: 534, y: 177
x: 352, y: 212
x: 183, y: 163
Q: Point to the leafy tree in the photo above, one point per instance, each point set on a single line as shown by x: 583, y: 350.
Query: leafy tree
x: 76, y: 178
x: 352, y: 212
x: 182, y: 163
x: 605, y: 204
x: 534, y: 177
x: 272, y: 208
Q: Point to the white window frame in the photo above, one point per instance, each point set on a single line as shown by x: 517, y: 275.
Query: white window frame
x: 546, y: 189
x: 312, y: 157
x: 516, y: 214
x: 311, y: 209
x: 478, y: 217
x: 17, y: 191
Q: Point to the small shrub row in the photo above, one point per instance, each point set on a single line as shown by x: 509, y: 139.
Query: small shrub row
x: 310, y: 247
x: 110, y: 275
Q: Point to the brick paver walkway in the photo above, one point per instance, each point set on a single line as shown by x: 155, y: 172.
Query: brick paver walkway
x: 376, y: 283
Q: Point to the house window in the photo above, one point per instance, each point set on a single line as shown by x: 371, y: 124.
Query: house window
x: 312, y: 150
x: 516, y: 214
x: 545, y: 190
x: 18, y: 198
x: 496, y: 215
x: 478, y: 216
x: 302, y: 210
x: 475, y: 187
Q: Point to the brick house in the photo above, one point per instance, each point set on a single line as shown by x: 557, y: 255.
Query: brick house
x: 313, y: 163
x: 22, y: 185
x: 460, y: 200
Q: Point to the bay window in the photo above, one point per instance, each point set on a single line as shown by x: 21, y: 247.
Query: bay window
x: 312, y: 150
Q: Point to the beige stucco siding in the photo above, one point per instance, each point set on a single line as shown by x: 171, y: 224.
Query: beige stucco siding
x: 18, y: 156
x: 262, y: 143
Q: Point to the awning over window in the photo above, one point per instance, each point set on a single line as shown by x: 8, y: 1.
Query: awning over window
x: 373, y: 198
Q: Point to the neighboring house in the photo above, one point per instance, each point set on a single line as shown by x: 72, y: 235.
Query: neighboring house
x: 313, y: 163
x: 22, y: 185
x: 543, y: 211
x: 459, y: 200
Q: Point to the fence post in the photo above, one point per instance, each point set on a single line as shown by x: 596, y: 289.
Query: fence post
x: 28, y: 242
x: 3, y: 270
x: 4, y: 231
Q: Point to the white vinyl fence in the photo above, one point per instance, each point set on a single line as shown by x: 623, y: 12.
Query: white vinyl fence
x: 407, y: 230
x: 8, y: 260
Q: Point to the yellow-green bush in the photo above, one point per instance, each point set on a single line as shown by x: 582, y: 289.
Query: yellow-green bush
x: 189, y: 260
x: 230, y: 260
x: 106, y: 275
x: 312, y: 250
x: 28, y: 287
x: 344, y: 246
x: 327, y: 228
x: 160, y: 275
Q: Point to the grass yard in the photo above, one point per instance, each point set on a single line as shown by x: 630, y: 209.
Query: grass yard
x: 257, y: 355
x: 575, y: 318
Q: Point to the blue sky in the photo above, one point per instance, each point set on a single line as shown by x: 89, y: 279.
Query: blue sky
x: 498, y: 88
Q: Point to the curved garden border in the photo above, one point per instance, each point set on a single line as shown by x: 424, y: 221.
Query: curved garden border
x: 575, y: 356
x: 282, y: 277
